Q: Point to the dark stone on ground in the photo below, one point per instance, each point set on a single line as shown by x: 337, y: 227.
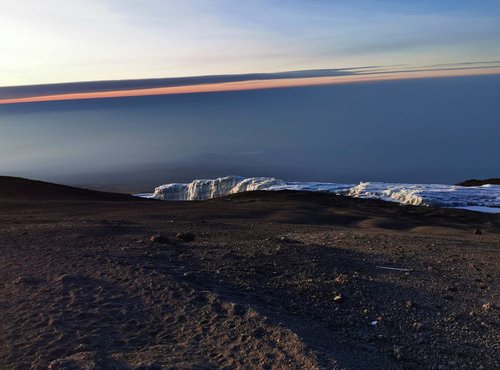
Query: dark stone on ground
x: 185, y: 237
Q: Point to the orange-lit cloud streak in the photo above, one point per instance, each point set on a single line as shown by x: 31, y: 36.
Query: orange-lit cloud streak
x: 255, y: 85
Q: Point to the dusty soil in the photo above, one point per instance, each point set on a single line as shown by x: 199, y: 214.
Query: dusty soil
x: 271, y: 280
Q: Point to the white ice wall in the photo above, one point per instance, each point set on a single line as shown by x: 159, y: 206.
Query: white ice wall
x: 413, y: 194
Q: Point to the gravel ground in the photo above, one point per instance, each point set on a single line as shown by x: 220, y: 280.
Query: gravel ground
x: 281, y: 280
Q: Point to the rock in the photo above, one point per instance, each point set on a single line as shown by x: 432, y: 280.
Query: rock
x: 341, y: 279
x: 487, y: 306
x: 410, y: 304
x: 417, y: 326
x: 477, y: 231
x: 158, y: 239
x: 338, y: 298
x: 26, y: 280
x: 397, y: 352
x: 185, y: 237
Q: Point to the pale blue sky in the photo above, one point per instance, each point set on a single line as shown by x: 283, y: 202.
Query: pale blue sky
x: 82, y: 40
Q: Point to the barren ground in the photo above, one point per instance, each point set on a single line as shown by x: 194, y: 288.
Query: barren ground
x: 271, y: 280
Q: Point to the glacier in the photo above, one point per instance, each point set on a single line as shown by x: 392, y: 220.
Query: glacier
x: 484, y: 198
x: 206, y: 189
x: 430, y: 194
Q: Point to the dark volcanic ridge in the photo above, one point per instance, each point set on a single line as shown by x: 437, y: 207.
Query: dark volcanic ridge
x: 476, y: 182
x: 25, y: 189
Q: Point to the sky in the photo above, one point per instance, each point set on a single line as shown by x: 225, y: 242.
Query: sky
x: 54, y: 41
x: 131, y: 94
x: 438, y: 130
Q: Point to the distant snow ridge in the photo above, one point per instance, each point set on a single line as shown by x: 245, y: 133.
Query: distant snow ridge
x: 430, y: 194
x: 412, y: 194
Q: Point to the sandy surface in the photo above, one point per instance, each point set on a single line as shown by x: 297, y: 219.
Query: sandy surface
x: 271, y: 280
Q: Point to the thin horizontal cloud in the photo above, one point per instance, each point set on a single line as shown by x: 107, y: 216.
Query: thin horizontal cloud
x: 254, y: 81
x: 489, y: 63
x: 98, y: 86
x: 463, y: 67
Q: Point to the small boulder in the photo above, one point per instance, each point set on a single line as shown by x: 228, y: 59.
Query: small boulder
x: 410, y: 304
x: 487, y: 306
x: 185, y: 237
x: 477, y: 231
x: 341, y: 279
x: 158, y: 239
x: 26, y: 280
x: 397, y: 352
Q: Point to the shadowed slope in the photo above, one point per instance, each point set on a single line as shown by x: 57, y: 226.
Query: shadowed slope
x: 314, y: 208
x: 23, y: 189
x: 476, y: 182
